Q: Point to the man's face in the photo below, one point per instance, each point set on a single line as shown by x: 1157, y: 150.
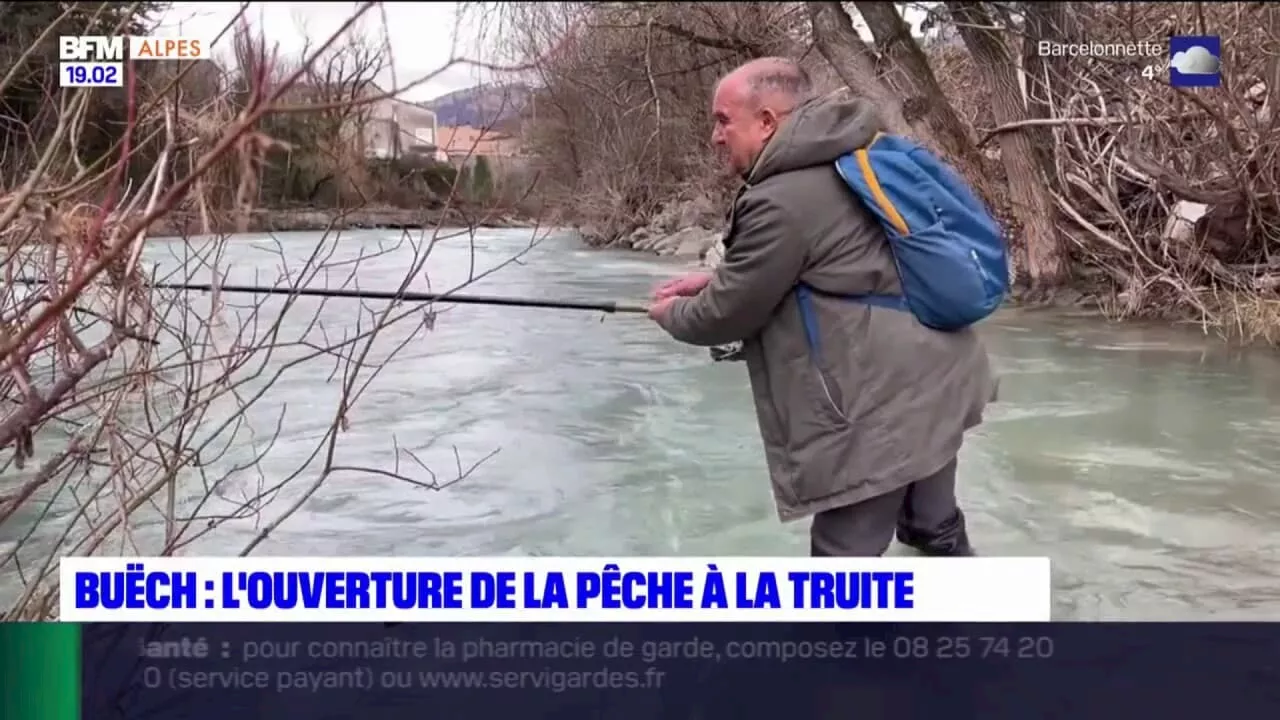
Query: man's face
x: 742, y: 125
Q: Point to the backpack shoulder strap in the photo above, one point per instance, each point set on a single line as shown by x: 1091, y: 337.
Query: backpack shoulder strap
x: 882, y: 202
x: 858, y: 172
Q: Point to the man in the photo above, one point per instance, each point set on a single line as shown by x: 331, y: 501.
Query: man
x: 864, y: 435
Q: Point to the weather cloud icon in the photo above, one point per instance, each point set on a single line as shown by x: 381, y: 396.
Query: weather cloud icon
x: 1195, y: 60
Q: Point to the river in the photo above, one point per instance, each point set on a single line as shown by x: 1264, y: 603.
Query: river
x: 1142, y: 460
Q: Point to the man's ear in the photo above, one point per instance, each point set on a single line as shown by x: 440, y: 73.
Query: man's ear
x: 770, y: 119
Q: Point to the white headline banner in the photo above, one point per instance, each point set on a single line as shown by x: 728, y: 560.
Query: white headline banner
x: 683, y: 589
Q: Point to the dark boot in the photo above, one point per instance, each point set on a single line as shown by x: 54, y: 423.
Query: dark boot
x: 950, y: 539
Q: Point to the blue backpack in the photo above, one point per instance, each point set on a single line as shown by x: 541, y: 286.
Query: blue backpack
x: 949, y: 251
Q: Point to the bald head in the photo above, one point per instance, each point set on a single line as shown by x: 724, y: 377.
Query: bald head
x: 777, y: 83
x: 750, y: 105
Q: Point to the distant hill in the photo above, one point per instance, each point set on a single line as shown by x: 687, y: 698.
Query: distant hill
x: 480, y: 106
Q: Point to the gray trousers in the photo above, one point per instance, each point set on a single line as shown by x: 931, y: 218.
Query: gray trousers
x: 924, y: 514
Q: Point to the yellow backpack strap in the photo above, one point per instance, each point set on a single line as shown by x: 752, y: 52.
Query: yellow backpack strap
x: 873, y: 183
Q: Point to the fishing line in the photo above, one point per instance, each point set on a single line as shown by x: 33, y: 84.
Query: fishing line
x: 462, y: 299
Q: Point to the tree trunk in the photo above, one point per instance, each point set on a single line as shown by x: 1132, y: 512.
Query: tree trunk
x: 928, y: 111
x: 839, y: 44
x: 1045, y: 22
x: 1032, y: 204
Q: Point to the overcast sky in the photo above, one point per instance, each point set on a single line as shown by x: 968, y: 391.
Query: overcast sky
x: 421, y: 34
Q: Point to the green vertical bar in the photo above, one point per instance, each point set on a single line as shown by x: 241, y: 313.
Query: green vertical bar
x: 40, y: 671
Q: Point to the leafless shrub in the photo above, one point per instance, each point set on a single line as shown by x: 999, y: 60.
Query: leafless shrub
x: 139, y: 419
x: 1126, y: 160
x: 1131, y: 159
x: 621, y: 123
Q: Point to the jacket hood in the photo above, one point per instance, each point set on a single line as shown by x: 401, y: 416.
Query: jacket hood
x: 817, y: 133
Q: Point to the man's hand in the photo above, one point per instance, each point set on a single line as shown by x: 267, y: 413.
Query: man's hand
x: 660, y: 308
x: 683, y: 286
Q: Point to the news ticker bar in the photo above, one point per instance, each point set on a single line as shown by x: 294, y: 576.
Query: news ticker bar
x: 760, y: 671
x: 40, y: 671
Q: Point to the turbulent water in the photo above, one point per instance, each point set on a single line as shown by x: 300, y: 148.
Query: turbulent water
x: 1141, y: 460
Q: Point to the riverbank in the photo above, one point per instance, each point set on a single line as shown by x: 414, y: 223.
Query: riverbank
x: 318, y: 220
x: 691, y: 229
x: 687, y: 228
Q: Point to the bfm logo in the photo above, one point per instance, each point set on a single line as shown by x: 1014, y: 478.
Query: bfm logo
x: 86, y: 47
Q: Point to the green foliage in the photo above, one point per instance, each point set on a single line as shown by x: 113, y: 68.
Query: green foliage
x: 414, y: 181
x: 481, y: 180
x: 438, y: 177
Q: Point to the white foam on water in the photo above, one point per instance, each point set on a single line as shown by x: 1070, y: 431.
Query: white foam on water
x: 1110, y: 456
x: 1004, y: 412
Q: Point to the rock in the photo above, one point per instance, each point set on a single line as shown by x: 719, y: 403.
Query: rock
x: 691, y: 242
x: 679, y: 228
x: 659, y: 245
x: 696, y: 212
x: 679, y: 214
x: 695, y: 242
x: 715, y: 253
x: 668, y: 244
x: 592, y: 235
x: 647, y: 243
x: 637, y: 236
x: 665, y: 220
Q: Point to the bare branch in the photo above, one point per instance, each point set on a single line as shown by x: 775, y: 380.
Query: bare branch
x: 140, y: 420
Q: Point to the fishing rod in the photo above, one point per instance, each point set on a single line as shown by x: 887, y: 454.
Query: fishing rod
x: 607, y: 307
